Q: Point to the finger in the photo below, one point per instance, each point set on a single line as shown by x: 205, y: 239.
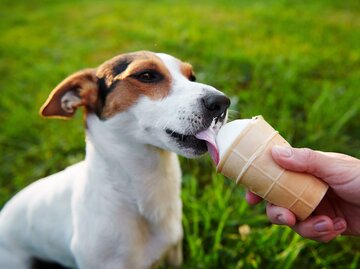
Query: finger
x: 320, y: 228
x: 252, y: 198
x: 326, y: 237
x: 319, y: 164
x: 280, y: 215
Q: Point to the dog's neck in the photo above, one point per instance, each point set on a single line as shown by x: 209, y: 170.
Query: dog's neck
x: 117, y: 160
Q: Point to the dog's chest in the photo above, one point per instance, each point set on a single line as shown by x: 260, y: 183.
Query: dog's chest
x: 158, y: 192
x: 159, y: 205
x: 142, y: 201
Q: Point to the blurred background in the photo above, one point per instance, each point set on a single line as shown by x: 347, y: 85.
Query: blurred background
x: 297, y: 63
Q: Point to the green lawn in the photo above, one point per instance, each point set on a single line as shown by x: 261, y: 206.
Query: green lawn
x: 295, y: 62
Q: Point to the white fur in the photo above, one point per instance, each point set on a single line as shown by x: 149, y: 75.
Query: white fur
x: 120, y: 207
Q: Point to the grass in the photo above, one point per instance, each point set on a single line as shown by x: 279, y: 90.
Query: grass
x: 296, y: 63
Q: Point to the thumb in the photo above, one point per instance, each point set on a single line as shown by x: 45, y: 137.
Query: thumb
x: 329, y: 167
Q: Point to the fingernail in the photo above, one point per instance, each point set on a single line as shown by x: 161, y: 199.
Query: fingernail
x: 321, y: 226
x: 281, y: 219
x: 339, y: 225
x: 285, y: 152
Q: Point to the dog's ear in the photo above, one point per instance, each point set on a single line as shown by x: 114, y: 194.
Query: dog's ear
x: 79, y: 89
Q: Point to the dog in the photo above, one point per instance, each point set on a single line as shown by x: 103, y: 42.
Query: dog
x: 121, y: 206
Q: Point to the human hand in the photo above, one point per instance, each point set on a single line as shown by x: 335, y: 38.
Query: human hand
x: 339, y: 211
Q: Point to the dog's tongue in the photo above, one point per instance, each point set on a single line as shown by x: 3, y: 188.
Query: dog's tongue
x: 209, y: 136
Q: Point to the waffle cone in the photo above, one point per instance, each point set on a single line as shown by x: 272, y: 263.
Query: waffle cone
x: 249, y: 162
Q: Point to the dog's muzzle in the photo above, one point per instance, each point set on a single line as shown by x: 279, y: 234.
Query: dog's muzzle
x: 213, y: 114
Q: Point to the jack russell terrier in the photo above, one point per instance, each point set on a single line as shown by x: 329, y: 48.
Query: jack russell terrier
x: 120, y: 207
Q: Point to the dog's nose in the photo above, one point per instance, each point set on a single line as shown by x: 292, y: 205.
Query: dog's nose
x: 216, y: 104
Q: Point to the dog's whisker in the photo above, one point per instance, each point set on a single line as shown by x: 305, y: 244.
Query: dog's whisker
x: 233, y: 111
x: 158, y: 124
x: 164, y: 127
x: 233, y: 114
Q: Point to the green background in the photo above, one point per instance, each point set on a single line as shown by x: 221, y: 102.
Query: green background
x: 295, y: 62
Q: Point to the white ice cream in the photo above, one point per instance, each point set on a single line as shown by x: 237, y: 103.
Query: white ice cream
x: 228, y: 133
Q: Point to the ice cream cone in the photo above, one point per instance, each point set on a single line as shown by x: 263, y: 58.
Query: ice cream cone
x: 248, y: 161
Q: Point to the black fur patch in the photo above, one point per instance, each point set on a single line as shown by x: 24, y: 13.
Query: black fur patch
x: 120, y: 67
x: 116, y: 69
x: 103, y: 90
x: 38, y: 264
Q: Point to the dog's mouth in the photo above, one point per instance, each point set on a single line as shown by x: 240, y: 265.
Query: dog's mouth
x: 184, y: 138
x: 202, y: 140
x: 188, y: 141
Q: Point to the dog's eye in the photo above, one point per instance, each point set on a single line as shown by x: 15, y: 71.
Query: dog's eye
x: 192, y: 77
x: 148, y: 76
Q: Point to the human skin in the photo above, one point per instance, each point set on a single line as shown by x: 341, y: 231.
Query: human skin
x: 339, y: 211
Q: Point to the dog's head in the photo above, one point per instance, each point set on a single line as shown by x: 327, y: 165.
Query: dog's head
x: 151, y: 97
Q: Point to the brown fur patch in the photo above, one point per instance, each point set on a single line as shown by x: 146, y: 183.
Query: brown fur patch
x: 84, y: 83
x: 127, y: 89
x: 187, y: 70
